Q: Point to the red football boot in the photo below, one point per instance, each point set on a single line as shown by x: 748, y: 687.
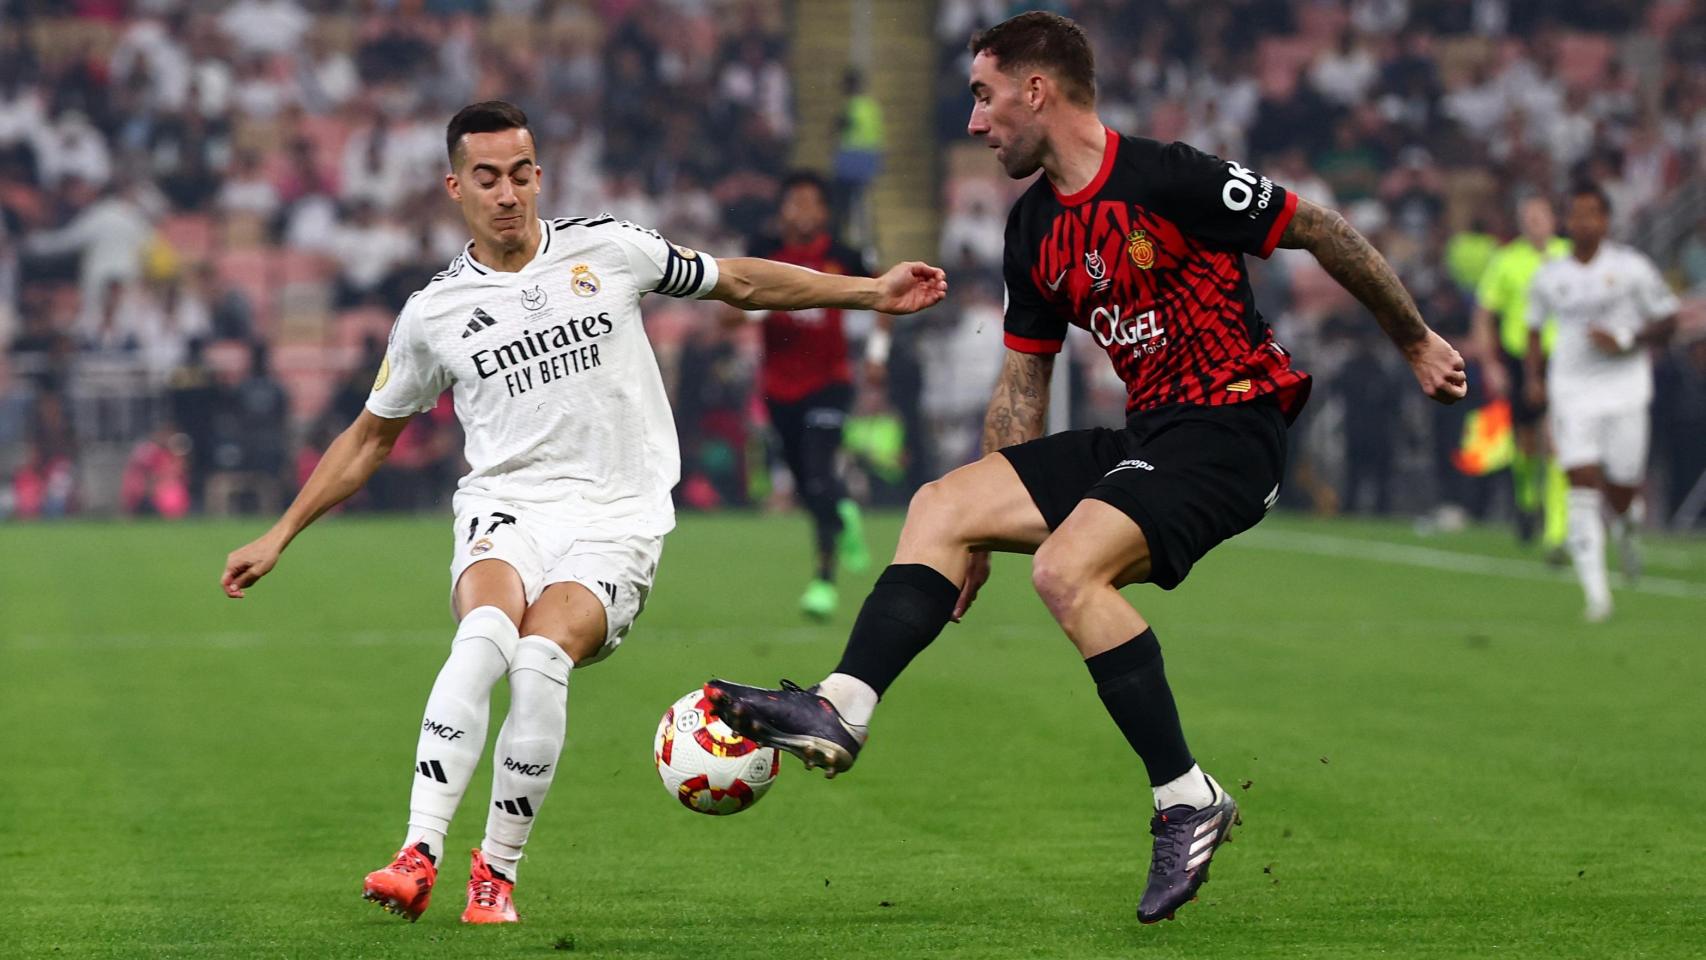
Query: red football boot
x: 405, y: 886
x: 490, y: 896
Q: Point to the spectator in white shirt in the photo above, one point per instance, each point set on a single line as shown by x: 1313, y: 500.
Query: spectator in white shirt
x: 265, y: 26
x: 110, y: 235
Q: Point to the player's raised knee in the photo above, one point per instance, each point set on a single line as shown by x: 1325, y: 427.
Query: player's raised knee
x: 931, y: 510
x: 1060, y: 578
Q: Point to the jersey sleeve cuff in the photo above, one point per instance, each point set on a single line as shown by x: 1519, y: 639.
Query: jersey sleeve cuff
x: 387, y: 411
x: 1283, y: 220
x: 1030, y: 344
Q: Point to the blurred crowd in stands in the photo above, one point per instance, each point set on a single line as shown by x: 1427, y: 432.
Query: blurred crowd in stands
x: 210, y: 212
x: 1425, y: 123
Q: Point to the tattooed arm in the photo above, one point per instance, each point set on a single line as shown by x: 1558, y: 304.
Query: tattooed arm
x: 1351, y: 260
x: 1018, y: 409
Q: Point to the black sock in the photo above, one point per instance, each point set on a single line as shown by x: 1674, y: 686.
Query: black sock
x: 1133, y: 686
x: 826, y: 529
x: 907, y: 608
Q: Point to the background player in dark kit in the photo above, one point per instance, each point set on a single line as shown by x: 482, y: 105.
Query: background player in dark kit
x: 807, y: 379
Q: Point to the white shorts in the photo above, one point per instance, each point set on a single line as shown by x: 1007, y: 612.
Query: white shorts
x: 1614, y: 440
x: 619, y: 571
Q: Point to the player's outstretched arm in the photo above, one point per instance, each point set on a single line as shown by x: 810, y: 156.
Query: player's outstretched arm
x: 349, y: 462
x: 1350, y: 259
x: 751, y: 283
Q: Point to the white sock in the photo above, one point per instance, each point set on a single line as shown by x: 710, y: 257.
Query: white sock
x: 1587, y: 546
x: 453, y: 731
x: 1193, y: 789
x: 529, y: 746
x: 853, y: 698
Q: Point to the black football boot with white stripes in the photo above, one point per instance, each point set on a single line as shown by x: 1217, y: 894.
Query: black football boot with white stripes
x: 790, y: 718
x: 1185, y: 841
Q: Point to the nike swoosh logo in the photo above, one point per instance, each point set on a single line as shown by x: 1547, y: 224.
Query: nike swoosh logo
x: 1052, y: 287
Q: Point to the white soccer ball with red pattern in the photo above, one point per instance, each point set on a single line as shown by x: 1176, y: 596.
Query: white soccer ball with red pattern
x: 705, y: 765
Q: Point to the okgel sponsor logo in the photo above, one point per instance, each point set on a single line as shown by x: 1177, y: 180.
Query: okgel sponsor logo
x: 1115, y: 325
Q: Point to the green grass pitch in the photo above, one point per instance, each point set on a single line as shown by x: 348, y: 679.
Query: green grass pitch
x: 1434, y: 756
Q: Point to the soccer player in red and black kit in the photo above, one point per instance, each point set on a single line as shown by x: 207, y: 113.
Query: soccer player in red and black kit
x: 808, y: 382
x: 1143, y: 244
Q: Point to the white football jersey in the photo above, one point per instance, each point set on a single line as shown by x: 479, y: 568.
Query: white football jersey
x: 555, y: 382
x: 1618, y: 291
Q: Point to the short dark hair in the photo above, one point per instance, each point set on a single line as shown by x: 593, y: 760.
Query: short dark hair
x: 1046, y: 40
x: 1587, y: 188
x: 805, y: 178
x: 487, y: 116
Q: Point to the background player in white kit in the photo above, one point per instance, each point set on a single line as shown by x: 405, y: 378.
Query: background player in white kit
x: 1611, y: 305
x: 572, y: 453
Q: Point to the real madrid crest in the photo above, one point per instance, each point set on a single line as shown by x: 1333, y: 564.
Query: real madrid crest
x: 1141, y: 250
x: 584, y: 282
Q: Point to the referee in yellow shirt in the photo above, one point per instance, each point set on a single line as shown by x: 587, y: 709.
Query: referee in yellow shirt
x: 1501, y: 334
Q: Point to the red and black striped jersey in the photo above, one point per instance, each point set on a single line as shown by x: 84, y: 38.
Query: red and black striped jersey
x: 1149, y: 258
x: 806, y: 350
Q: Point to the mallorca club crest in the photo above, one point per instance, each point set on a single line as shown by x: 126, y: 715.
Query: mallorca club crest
x: 1141, y: 250
x: 533, y: 299
x: 1097, y: 268
x: 584, y: 282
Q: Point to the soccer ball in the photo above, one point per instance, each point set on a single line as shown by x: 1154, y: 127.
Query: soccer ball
x: 705, y: 765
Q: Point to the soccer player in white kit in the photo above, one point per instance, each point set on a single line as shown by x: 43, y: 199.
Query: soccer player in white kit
x: 572, y: 453
x: 1611, y: 305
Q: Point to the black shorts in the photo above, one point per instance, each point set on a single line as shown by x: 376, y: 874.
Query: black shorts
x: 1189, y: 477
x: 1523, y: 413
x: 810, y: 431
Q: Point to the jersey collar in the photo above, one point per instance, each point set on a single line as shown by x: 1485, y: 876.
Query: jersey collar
x: 483, y: 270
x: 1108, y: 153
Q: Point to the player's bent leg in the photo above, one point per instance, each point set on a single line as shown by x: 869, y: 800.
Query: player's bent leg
x: 983, y: 505
x: 567, y: 624
x: 1079, y: 569
x: 452, y: 736
x: 490, y: 583
x: 1077, y: 572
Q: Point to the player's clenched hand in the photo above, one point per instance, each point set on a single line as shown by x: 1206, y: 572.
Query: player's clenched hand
x: 247, y: 564
x: 976, y: 573
x: 1439, y: 368
x: 910, y: 287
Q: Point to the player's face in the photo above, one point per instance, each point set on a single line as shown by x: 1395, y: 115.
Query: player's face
x: 805, y: 212
x: 497, y: 186
x: 1003, y: 119
x: 1586, y: 222
x: 1536, y: 218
